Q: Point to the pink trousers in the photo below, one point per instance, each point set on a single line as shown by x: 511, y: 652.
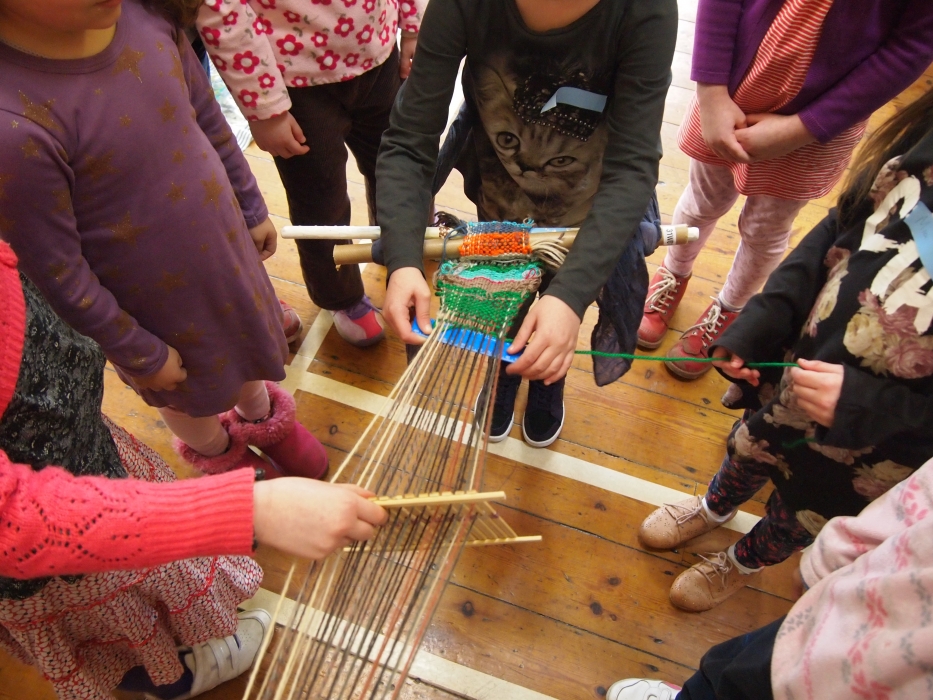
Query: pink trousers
x: 764, y: 225
x: 206, y: 435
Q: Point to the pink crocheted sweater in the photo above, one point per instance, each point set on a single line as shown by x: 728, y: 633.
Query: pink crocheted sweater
x: 53, y: 523
x: 262, y: 47
x: 865, y: 627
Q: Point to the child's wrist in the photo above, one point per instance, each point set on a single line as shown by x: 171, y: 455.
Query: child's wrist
x: 406, y: 34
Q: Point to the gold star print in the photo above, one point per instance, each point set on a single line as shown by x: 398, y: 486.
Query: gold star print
x: 135, y: 290
x: 205, y: 247
x: 226, y: 309
x: 14, y: 124
x: 6, y: 224
x: 184, y: 130
x: 138, y: 361
x: 232, y: 234
x: 125, y: 232
x: 41, y: 114
x: 172, y: 281
x: 220, y: 364
x: 159, y: 45
x: 62, y: 201
x: 125, y: 120
x: 176, y: 193
x: 212, y: 191
x: 85, y: 303
x: 258, y: 301
x: 30, y: 148
x: 236, y: 270
x: 58, y: 271
x: 124, y: 323
x: 96, y: 168
x: 177, y: 72
x: 128, y: 60
x: 178, y: 156
x: 167, y: 111
x: 189, y: 337
x: 5, y: 178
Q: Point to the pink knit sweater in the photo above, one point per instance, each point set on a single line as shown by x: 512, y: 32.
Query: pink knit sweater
x: 865, y: 627
x: 53, y: 523
x: 261, y: 47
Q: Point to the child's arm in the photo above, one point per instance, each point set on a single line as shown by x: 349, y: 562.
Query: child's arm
x: 772, y: 319
x: 53, y: 523
x: 845, y: 539
x: 236, y: 40
x: 37, y: 220
x: 407, y: 161
x: 903, y: 57
x: 212, y: 122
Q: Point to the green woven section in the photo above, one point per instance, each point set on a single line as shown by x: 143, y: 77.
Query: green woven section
x: 485, y: 296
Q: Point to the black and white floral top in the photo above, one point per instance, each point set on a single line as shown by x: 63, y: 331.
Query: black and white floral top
x: 859, y: 296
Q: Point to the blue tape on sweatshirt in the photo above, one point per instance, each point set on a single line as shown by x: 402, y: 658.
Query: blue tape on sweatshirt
x: 471, y: 340
x: 575, y: 97
x: 920, y: 222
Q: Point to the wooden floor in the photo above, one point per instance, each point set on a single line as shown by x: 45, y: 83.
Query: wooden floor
x: 567, y: 617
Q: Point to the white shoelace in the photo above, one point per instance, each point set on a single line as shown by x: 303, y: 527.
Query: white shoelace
x: 709, y: 324
x: 663, y: 292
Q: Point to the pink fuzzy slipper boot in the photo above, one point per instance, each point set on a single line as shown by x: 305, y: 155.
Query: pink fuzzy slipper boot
x: 284, y: 440
x: 237, y: 456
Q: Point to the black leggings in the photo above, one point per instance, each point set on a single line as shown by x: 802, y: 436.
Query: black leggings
x: 739, y: 669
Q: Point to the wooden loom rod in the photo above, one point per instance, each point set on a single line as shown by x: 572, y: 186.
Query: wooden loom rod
x: 437, y: 499
x: 434, y: 247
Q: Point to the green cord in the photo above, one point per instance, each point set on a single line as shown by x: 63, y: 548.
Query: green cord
x: 628, y: 356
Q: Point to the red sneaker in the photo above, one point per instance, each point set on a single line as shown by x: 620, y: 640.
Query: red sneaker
x: 291, y: 323
x: 664, y: 295
x: 696, y: 340
x: 360, y: 325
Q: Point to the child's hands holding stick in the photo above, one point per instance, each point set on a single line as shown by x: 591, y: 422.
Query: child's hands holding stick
x: 817, y: 386
x: 311, y: 518
x: 734, y: 366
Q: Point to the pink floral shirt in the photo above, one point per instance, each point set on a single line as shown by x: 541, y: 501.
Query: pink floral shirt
x: 262, y: 47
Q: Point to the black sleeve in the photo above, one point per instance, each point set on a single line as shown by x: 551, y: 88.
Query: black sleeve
x: 771, y: 321
x: 874, y: 409
x: 408, y: 154
x: 630, y: 162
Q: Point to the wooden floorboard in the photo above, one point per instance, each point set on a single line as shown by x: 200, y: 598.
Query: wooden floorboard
x: 586, y: 606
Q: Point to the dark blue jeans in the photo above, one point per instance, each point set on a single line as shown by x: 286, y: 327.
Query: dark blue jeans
x: 739, y: 669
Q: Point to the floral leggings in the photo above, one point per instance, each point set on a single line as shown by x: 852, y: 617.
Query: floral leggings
x: 777, y: 535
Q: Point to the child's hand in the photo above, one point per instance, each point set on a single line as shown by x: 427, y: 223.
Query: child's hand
x: 734, y: 366
x: 550, y: 352
x: 311, y: 518
x: 719, y: 119
x: 280, y: 135
x: 817, y: 386
x: 408, y: 290
x: 265, y: 237
x: 770, y: 136
x: 406, y: 54
x: 168, y: 377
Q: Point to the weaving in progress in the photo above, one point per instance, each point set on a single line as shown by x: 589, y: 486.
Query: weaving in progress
x: 360, y: 615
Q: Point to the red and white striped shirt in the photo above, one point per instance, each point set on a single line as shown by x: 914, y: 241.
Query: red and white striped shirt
x: 775, y: 77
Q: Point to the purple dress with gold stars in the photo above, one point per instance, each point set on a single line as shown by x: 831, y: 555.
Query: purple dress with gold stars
x: 127, y: 200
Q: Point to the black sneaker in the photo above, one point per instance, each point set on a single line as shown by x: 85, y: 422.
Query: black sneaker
x: 503, y: 407
x: 544, y: 416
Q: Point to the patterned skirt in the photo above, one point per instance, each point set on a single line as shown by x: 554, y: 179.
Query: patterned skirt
x: 85, y: 636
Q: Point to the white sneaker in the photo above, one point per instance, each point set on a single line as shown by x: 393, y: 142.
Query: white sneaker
x: 642, y: 689
x: 217, y: 661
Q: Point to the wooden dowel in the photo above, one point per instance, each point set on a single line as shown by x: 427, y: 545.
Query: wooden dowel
x: 504, y: 540
x: 434, y: 247
x: 340, y: 233
x: 437, y: 499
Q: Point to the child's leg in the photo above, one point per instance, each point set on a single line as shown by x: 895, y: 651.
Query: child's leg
x: 206, y: 436
x: 734, y: 484
x: 765, y: 226
x: 774, y: 538
x: 253, y: 404
x: 709, y: 194
x: 316, y: 187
